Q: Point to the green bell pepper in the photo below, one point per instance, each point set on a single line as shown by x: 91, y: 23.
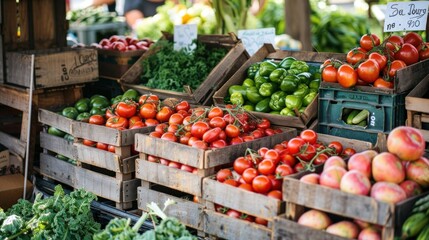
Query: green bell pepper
x: 287, y: 112
x: 237, y: 88
x: 287, y: 62
x: 237, y: 99
x: 301, y: 66
x: 314, y: 84
x: 116, y: 99
x: 252, y: 94
x: 70, y: 112
x: 293, y: 72
x: 83, y: 117
x: 249, y: 107
x: 313, y: 90
x: 304, y: 77
x: 56, y: 132
x: 308, y: 99
x: 289, y: 84
x: 259, y: 80
x: 267, y: 89
x: 293, y: 102
x: 131, y: 94
x: 263, y: 106
x: 100, y: 102
x: 97, y: 111
x: 252, y: 70
x: 278, y: 75
x: 301, y: 92
x: 248, y: 83
x: 265, y: 68
x: 277, y: 101
x: 83, y: 100
x: 82, y: 107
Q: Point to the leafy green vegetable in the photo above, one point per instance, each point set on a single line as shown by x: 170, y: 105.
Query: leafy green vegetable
x: 22, y: 208
x: 171, y: 70
x: 11, y: 225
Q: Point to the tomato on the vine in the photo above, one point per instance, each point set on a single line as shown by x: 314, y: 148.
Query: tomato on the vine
x: 395, y: 66
x: 423, y: 51
x: 266, y: 167
x: 349, y: 152
x: 356, y: 55
x: 176, y: 118
x: 264, y: 123
x: 232, y: 130
x: 231, y: 182
x: 215, y: 112
x: 287, y: 158
x: 117, y: 122
x: 199, y: 128
x: 309, y: 136
x: 337, y: 146
x: 394, y: 42
x: 381, y: 83
x: 347, y: 76
x: 148, y: 110
x: 299, y: 167
x: 126, y: 109
x: 284, y: 170
x: 138, y: 124
x: 276, y: 182
x: 217, y: 122
x: 413, y: 38
x: 320, y: 159
x: 307, y: 152
x: 272, y: 155
x: 246, y: 186
x: 183, y: 105
x: 169, y: 136
x: 240, y: 164
x: 148, y: 98
x: 223, y: 174
x: 134, y: 119
x: 294, y: 145
x: 277, y: 194
x: 329, y: 74
x: 164, y: 114
x: 97, y: 120
x: 261, y: 184
x: 407, y: 53
x: 220, y: 143
x: 200, y: 144
x: 161, y: 128
x: 212, y: 135
x: 368, y: 41
x: 379, y: 58
x: 368, y: 70
x: 249, y: 174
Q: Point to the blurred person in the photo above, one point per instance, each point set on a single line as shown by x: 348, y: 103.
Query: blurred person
x: 139, y: 9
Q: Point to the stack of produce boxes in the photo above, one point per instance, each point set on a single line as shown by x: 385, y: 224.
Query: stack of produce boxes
x: 369, y: 195
x: 239, y: 203
x: 173, y: 166
x: 369, y: 100
x: 98, y: 158
x: 279, y: 85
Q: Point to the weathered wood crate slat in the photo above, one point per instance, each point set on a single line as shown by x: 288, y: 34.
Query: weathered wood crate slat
x: 268, y: 52
x: 124, y: 193
x: 226, y: 227
x: 187, y: 211
x: 216, y: 78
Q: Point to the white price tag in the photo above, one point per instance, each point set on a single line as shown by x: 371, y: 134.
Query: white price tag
x: 406, y: 16
x: 184, y: 35
x: 254, y: 39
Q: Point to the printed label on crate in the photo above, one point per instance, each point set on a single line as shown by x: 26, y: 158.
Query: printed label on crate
x: 406, y: 16
x: 254, y: 39
x: 184, y: 35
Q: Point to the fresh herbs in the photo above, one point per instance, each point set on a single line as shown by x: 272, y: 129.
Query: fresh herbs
x: 58, y: 217
x: 171, y: 70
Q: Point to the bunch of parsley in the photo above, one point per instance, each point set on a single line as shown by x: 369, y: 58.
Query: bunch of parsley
x: 171, y: 70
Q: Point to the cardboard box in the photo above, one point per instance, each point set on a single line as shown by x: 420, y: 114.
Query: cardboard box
x: 11, y: 189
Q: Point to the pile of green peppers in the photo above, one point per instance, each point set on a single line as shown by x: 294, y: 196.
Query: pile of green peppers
x: 278, y: 88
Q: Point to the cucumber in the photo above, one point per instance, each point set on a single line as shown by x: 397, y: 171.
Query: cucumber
x: 363, y: 123
x: 421, y: 208
x: 414, y: 224
x: 351, y: 116
x: 347, y: 111
x: 424, y: 234
x: 422, y: 200
x: 362, y: 115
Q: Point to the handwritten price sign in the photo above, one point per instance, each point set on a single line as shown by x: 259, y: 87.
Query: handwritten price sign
x: 253, y: 39
x: 406, y: 16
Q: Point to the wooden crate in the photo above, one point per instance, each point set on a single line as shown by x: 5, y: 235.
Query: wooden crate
x: 123, y: 193
x: 236, y: 56
x: 187, y: 211
x: 113, y: 64
x: 226, y: 227
x: 268, y: 52
x: 52, y: 67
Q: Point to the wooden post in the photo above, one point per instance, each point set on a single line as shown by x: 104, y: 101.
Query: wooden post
x: 298, y: 22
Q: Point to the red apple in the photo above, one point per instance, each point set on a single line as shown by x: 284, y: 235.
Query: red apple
x: 114, y: 38
x: 119, y: 46
x: 386, y: 167
x: 418, y: 171
x: 388, y: 192
x: 360, y: 162
x: 369, y: 233
x: 331, y: 177
x: 411, y: 188
x: 105, y: 42
x: 334, y: 161
x: 312, y: 178
x: 131, y: 47
x: 315, y: 219
x: 122, y: 40
x: 174, y: 164
x: 406, y: 142
x: 344, y: 229
x: 355, y: 182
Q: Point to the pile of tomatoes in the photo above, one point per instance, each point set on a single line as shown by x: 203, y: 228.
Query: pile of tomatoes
x: 263, y: 171
x: 374, y: 62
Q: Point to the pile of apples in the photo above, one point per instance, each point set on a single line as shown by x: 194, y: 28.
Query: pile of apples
x: 123, y: 43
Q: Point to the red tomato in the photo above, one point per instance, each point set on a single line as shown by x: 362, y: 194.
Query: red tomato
x: 381, y: 83
x: 117, y: 122
x: 134, y: 119
x: 232, y: 213
x: 261, y: 221
x: 138, y: 124
x: 191, y: 140
x: 236, y: 140
x: 228, y: 118
x: 246, y: 186
x: 240, y: 180
x: 277, y: 194
x: 164, y: 114
x: 276, y: 182
x: 355, y: 55
x: 299, y: 167
x: 215, y: 112
x: 347, y: 76
x: 413, y: 38
x: 248, y: 138
x: 279, y: 148
x: 241, y: 164
x: 88, y: 142
x: 97, y: 120
x: 220, y: 143
x: 175, y: 165
x: 337, y: 146
x: 199, y: 128
x: 184, y: 138
x: 368, y: 41
x: 329, y: 73
x: 294, y: 145
x: 379, y: 58
x: 284, y: 170
x: 266, y: 167
x: 223, y: 175
x: 257, y: 134
x: 408, y: 53
x: 269, y: 132
x: 164, y: 161
x: 261, y: 184
x: 394, y: 42
x: 262, y: 151
x: 169, y: 136
x: 212, y: 135
x: 320, y: 159
x: 287, y: 158
x: 161, y: 128
x: 102, y: 146
x: 217, y: 122
x: 272, y: 155
x: 349, y: 152
x: 187, y: 168
x: 249, y: 174
x: 153, y: 159
x: 173, y: 128
x: 155, y: 134
x: 183, y: 105
x: 200, y: 144
x: 423, y: 51
x: 246, y: 217
x: 395, y: 66
x: 264, y: 123
x: 309, y: 136
x: 231, y: 182
x: 176, y: 118
x: 232, y: 131
x: 368, y: 71
x: 109, y: 111
x: 309, y: 152
x: 126, y: 109
x: 148, y: 98
x: 148, y: 110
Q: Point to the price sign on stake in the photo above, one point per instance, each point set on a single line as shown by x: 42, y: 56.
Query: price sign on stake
x: 254, y: 39
x: 406, y: 16
x: 184, y: 35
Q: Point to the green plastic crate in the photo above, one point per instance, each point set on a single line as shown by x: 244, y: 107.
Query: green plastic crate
x: 387, y: 111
